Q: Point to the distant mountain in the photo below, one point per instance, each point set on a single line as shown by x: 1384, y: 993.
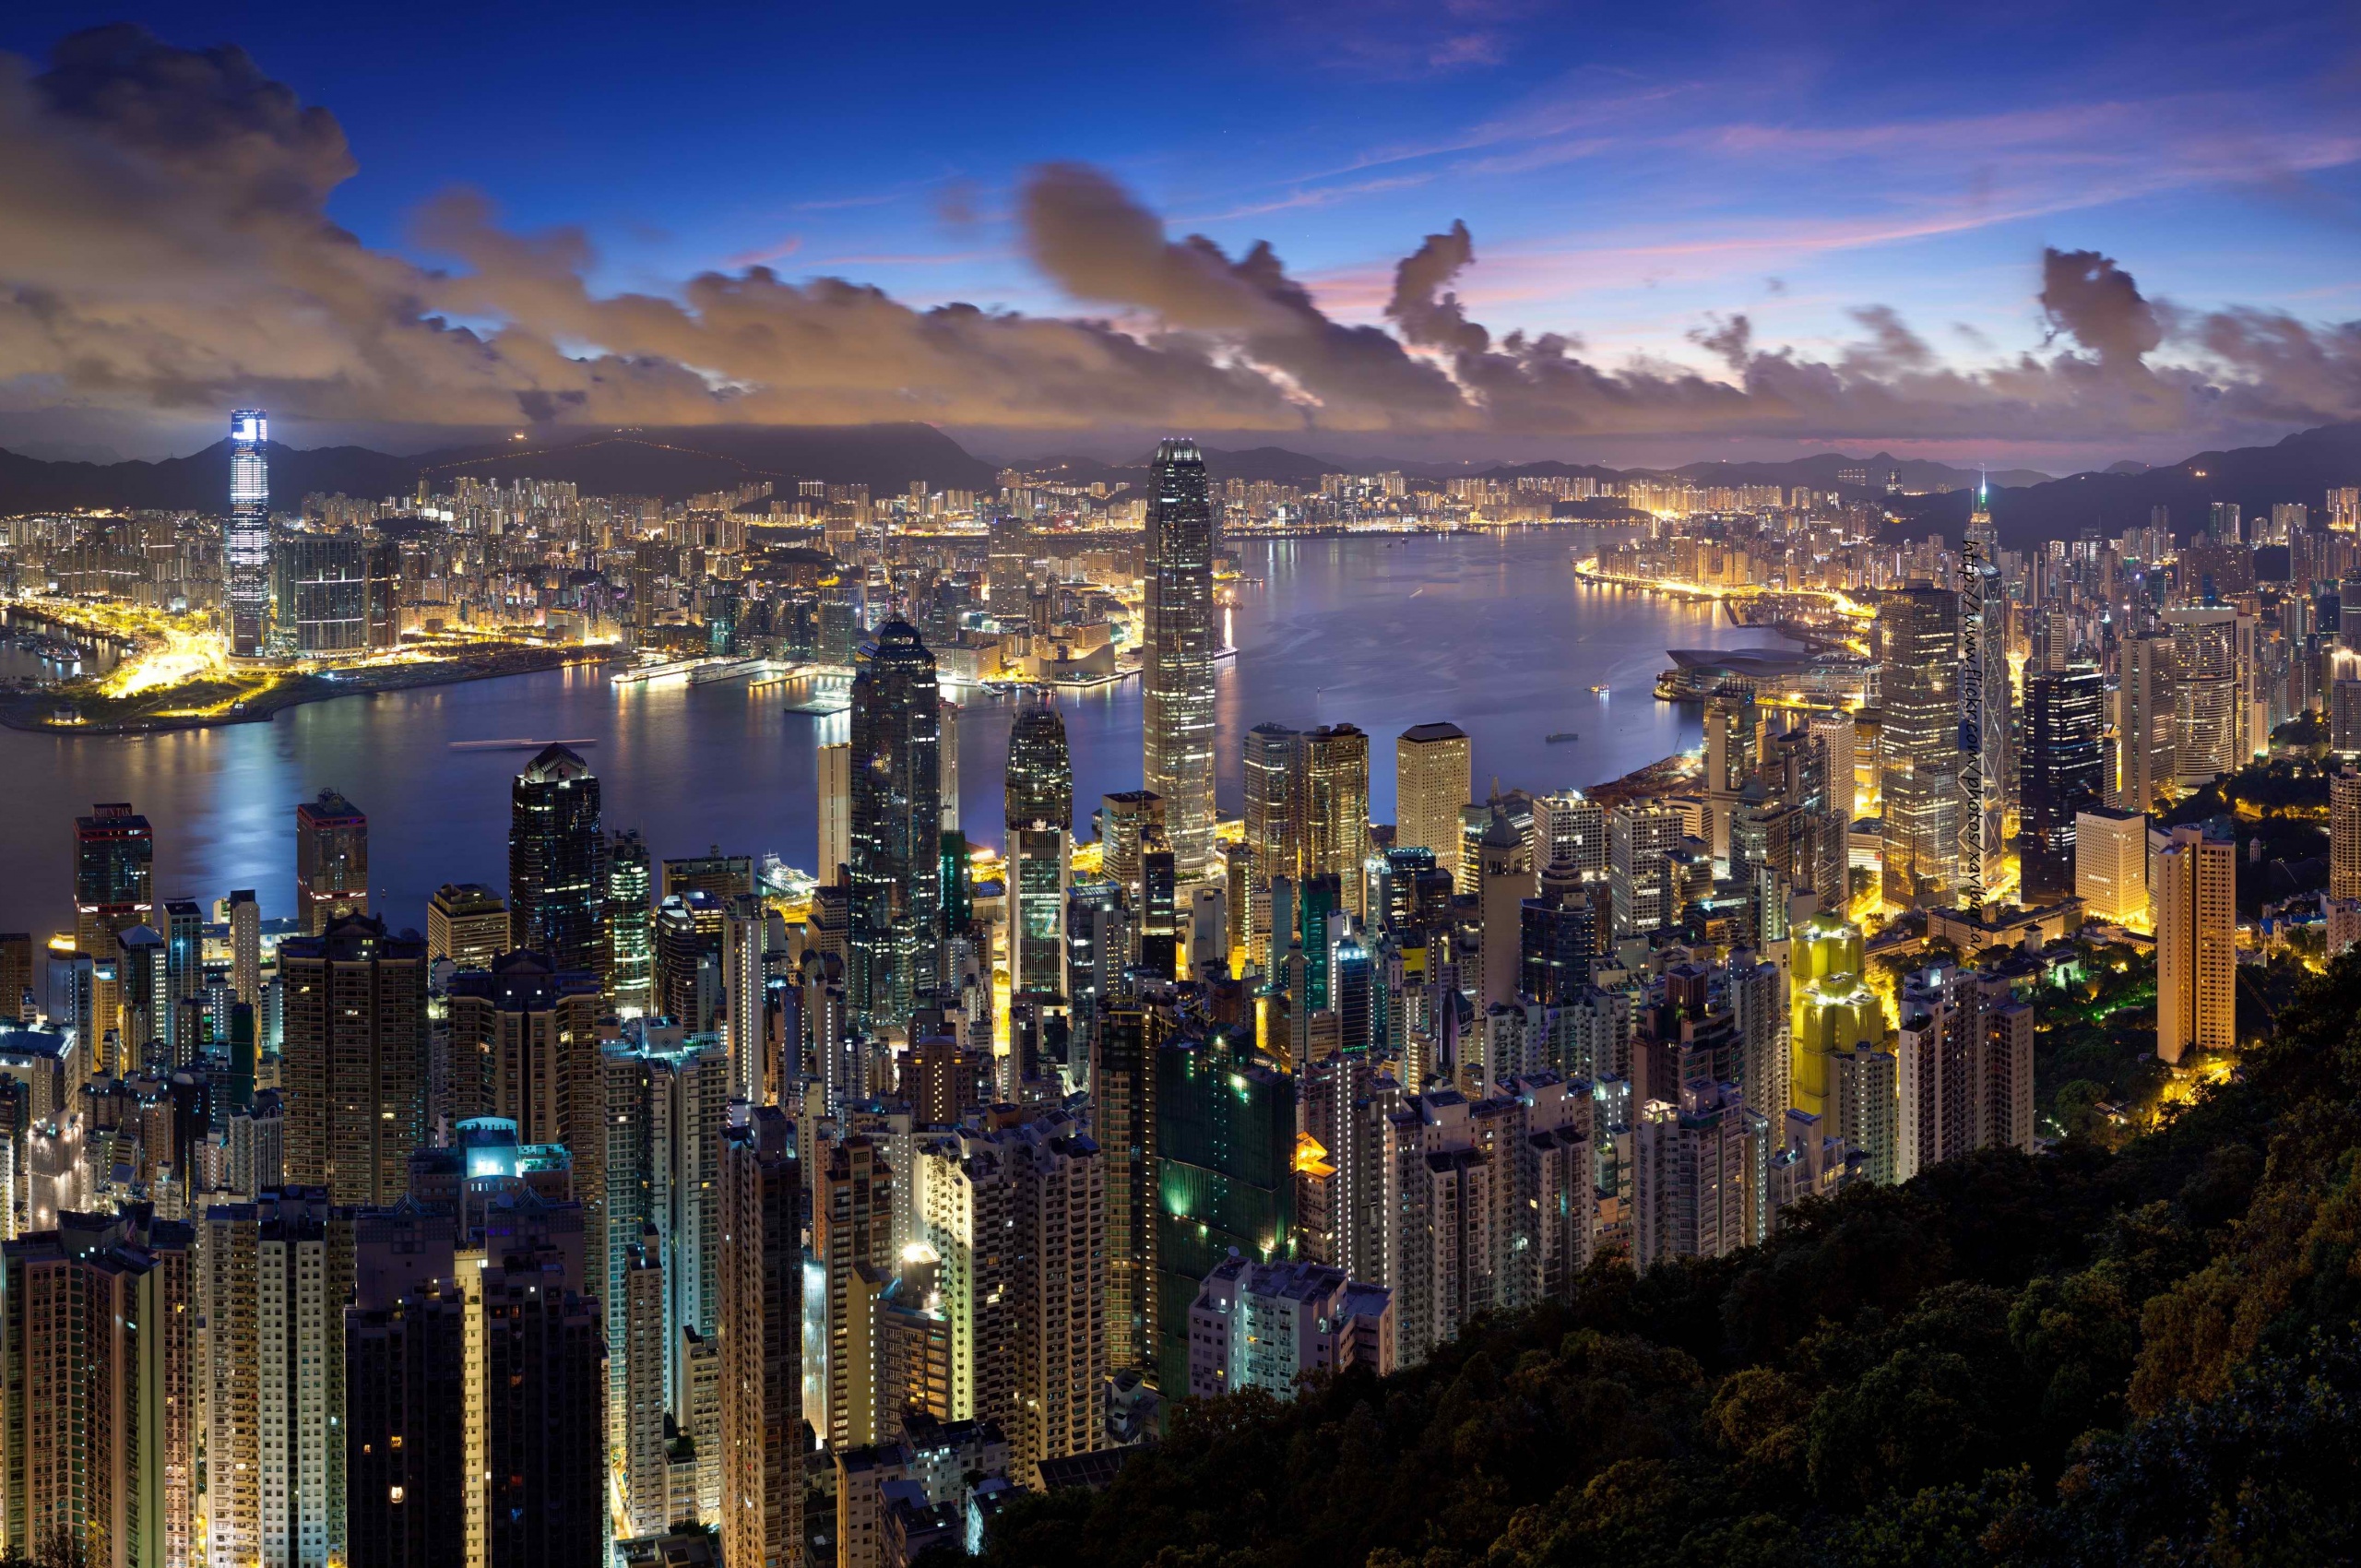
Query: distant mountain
x: 670, y: 463
x: 2300, y: 468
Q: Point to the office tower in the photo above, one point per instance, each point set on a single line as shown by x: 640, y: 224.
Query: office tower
x: 1272, y: 822
x: 689, y: 988
x: 1130, y: 823
x: 1331, y: 800
x: 646, y: 1470
x: 1731, y: 727
x: 98, y: 1393
x: 1984, y: 699
x: 1964, y: 1070
x: 1643, y: 837
x: 2064, y: 757
x: 1124, y: 1044
x: 1562, y: 931
x: 319, y: 595
x: 1700, y: 1179
x: 1272, y: 1326
x: 556, y: 885
x: 467, y: 924
x: 745, y: 942
x: 835, y: 762
x: 183, y: 982
x: 723, y: 876
x: 1177, y: 648
x: 2111, y: 864
x: 854, y: 1195
x: 1501, y: 888
x: 355, y: 1059
x: 628, y: 926
x: 1037, y: 806
x: 762, y: 1343
x: 2206, y: 718
x: 2194, y: 888
x: 949, y: 730
x: 245, y: 537
x: 1008, y: 571
x: 2143, y: 723
x: 1569, y: 829
x: 2344, y: 835
x: 245, y: 946
x: 115, y: 869
x: 1832, y: 1009
x: 1838, y: 733
x: 276, y: 1274
x: 1434, y: 775
x: 896, y: 939
x: 1917, y: 648
x: 331, y: 862
x: 1225, y: 1160
x: 409, y: 1486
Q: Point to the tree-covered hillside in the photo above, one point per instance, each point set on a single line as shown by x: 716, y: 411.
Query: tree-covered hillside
x: 2144, y: 1357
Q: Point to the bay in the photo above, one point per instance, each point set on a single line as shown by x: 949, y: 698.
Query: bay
x: 1491, y: 632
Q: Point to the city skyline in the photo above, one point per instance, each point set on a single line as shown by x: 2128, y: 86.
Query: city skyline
x: 1957, y: 250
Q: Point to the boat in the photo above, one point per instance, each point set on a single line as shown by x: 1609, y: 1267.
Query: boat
x: 1600, y: 690
x: 1562, y: 736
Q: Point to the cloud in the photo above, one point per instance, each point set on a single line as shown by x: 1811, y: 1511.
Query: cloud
x: 169, y: 251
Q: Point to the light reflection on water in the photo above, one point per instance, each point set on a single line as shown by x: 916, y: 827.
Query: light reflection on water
x: 1490, y: 632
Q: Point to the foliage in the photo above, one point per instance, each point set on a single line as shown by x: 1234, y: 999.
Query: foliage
x: 2145, y: 1355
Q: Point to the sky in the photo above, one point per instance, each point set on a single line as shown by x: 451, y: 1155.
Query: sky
x: 2055, y: 235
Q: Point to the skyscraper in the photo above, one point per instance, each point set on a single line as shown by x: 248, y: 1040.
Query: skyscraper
x: 1434, y: 775
x: 467, y: 924
x: 1983, y: 710
x: 2344, y: 835
x: 355, y: 1072
x: 762, y: 1343
x: 331, y: 862
x: 629, y: 929
x: 246, y: 539
x: 1038, y: 807
x: 835, y: 767
x: 2064, y: 759
x: 1917, y: 645
x: 556, y: 891
x: 1225, y: 1162
x: 114, y: 876
x: 896, y: 820
x: 2195, y: 893
x: 1177, y: 654
x: 1331, y: 800
x: 2143, y: 723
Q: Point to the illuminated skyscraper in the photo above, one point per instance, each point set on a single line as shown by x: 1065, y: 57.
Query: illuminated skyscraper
x: 2197, y: 944
x: 331, y: 862
x: 629, y: 933
x: 1433, y: 776
x: 896, y: 820
x: 246, y: 539
x: 2143, y: 723
x: 2345, y: 836
x: 1983, y: 710
x: 1918, y: 645
x: 1177, y: 654
x: 2064, y: 757
x: 1331, y: 796
x: 467, y: 924
x: 556, y: 893
x: 1038, y: 801
x: 762, y: 1343
x: 355, y: 1072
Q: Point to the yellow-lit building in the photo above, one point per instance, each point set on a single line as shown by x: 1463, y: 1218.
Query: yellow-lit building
x: 1834, y: 1009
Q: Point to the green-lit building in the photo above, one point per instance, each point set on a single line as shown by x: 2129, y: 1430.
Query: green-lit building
x: 1225, y: 1174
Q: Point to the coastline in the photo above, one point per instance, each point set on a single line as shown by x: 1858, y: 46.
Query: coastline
x: 35, y: 712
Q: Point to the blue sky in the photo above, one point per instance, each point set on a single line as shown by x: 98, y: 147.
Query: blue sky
x: 1630, y: 175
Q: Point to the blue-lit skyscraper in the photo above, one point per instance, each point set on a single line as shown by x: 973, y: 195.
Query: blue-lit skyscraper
x: 246, y: 539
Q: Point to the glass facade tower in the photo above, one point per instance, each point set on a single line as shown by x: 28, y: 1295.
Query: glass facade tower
x: 245, y: 541
x: 1177, y: 654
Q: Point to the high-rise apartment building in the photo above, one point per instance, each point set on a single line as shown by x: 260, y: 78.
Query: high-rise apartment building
x: 2064, y: 761
x: 467, y: 924
x: 245, y: 537
x: 331, y: 862
x: 1177, y: 650
x: 1964, y: 1070
x: 1434, y: 775
x: 1918, y: 670
x: 762, y: 1343
x: 277, y: 1274
x: 1838, y: 733
x: 1037, y: 808
x: 1643, y: 837
x: 896, y: 781
x: 2344, y: 835
x: 1271, y: 1326
x: 854, y: 1195
x: 1701, y: 1180
x: 2194, y: 886
x: 1225, y: 1161
x: 557, y: 892
x: 355, y: 1059
x: 1123, y: 1084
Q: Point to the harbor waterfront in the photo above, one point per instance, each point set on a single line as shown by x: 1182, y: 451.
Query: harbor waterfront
x: 1494, y: 631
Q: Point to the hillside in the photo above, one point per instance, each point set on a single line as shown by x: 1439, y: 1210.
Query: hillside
x: 2083, y: 1359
